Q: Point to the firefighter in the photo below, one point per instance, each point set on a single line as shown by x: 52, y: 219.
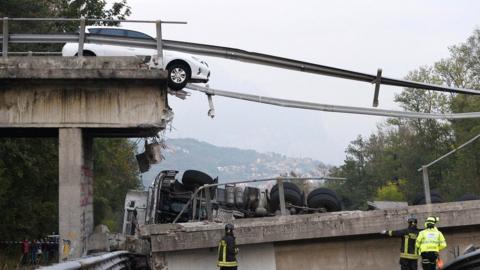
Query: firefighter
x: 429, y: 243
x: 227, y: 250
x: 408, y: 251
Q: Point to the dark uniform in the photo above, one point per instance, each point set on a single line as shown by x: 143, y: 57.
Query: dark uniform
x: 408, y: 249
x: 227, y: 250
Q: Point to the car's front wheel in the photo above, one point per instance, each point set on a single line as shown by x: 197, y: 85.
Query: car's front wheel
x: 178, y: 75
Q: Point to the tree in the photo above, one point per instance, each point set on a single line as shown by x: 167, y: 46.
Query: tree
x: 93, y: 9
x: 401, y: 146
x: 115, y: 172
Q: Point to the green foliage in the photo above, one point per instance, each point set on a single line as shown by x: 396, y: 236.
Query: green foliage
x: 92, y: 9
x: 401, y: 146
x: 29, y: 187
x: 29, y: 184
x: 390, y: 192
x: 115, y: 172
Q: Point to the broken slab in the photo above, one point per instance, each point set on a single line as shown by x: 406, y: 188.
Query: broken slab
x: 174, y: 237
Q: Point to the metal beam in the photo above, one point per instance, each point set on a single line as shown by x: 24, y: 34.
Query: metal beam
x: 331, y: 108
x: 285, y: 63
x: 451, y: 152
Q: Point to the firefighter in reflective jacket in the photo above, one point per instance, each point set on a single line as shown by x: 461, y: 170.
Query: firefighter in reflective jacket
x: 429, y: 242
x: 408, y: 251
x: 227, y: 250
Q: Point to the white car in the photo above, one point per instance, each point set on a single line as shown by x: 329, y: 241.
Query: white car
x: 181, y: 67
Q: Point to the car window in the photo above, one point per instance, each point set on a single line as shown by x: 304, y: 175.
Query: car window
x: 111, y: 32
x: 94, y: 30
x: 135, y: 34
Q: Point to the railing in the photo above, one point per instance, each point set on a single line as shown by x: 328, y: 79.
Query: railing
x: 210, y: 50
x: 281, y: 193
x: 112, y: 260
x: 81, y: 37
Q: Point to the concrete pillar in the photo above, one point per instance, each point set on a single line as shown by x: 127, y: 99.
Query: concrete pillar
x: 75, y: 192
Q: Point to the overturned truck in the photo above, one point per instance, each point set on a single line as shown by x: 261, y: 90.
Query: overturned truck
x: 198, y: 197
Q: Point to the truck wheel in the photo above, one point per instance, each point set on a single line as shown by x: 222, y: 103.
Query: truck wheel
x: 293, y: 195
x: 434, y: 195
x: 324, y: 198
x: 468, y: 197
x: 193, y: 178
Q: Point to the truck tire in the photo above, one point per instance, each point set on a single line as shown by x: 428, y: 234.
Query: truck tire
x: 434, y: 195
x: 324, y: 198
x: 286, y: 185
x: 468, y: 197
x: 192, y: 179
x: 293, y: 195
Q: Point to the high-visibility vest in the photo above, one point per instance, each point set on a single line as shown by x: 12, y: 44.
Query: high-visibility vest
x: 430, y: 240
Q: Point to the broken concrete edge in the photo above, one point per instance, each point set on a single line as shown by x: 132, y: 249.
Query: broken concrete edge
x: 57, y: 67
x: 171, y: 237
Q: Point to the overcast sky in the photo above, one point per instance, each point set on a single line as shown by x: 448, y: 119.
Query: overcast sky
x: 397, y: 36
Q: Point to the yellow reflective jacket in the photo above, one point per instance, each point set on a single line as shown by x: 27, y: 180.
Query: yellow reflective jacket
x: 227, y: 252
x: 430, y: 240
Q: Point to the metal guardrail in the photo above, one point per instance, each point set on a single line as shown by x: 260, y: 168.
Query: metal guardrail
x: 113, y: 260
x: 210, y: 50
x: 80, y: 37
x: 330, y: 108
x: 424, y: 168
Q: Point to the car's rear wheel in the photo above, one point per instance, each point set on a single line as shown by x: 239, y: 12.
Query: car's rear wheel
x: 178, y: 75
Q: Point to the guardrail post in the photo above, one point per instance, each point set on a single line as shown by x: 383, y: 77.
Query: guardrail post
x: 208, y: 204
x: 281, y: 193
x: 426, y: 185
x: 159, y: 43
x: 5, y: 38
x: 81, y: 37
x: 377, y: 87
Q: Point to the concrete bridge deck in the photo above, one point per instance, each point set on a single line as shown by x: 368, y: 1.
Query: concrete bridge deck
x: 315, y: 241
x: 77, y: 99
x: 109, y: 96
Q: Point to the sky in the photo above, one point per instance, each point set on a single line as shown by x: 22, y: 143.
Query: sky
x: 397, y: 36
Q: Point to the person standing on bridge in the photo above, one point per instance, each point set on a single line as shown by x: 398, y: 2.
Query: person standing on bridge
x: 408, y: 250
x: 227, y: 250
x: 429, y: 243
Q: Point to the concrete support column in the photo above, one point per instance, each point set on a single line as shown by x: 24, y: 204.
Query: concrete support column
x: 75, y: 192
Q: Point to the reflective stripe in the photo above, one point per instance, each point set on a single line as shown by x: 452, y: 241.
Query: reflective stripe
x: 226, y: 264
x: 222, y: 262
x: 405, y: 244
x: 224, y: 258
x: 408, y: 256
x: 389, y: 233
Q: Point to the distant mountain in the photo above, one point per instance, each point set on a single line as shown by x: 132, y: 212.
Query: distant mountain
x: 230, y: 164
